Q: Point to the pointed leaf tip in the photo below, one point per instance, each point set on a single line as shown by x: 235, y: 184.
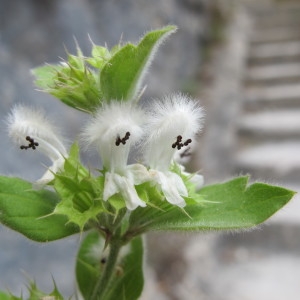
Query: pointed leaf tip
x: 121, y: 78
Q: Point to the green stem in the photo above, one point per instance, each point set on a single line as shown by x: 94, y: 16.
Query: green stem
x: 108, y: 272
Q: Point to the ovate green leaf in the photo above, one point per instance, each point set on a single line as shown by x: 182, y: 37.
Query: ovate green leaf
x: 230, y: 205
x: 122, y: 76
x: 29, y: 211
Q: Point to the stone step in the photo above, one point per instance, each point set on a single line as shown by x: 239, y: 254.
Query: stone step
x: 271, y: 161
x: 278, y: 20
x: 267, y: 36
x: 288, y: 72
x: 272, y: 52
x: 277, y: 96
x: 283, y: 9
x: 280, y: 124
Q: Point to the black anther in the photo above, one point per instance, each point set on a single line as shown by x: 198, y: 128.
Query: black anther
x: 122, y: 140
x: 32, y: 144
x: 178, y: 143
x: 187, y: 142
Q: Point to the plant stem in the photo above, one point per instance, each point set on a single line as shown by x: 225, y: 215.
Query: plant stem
x: 108, y: 272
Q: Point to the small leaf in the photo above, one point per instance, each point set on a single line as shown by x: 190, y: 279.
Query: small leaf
x: 121, y: 78
x: 45, y: 75
x: 5, y: 296
x: 229, y: 205
x: 129, y: 279
x: 78, y: 199
x: 88, y: 263
x: 36, y: 294
x: 29, y: 211
x: 73, y: 83
x: 127, y: 282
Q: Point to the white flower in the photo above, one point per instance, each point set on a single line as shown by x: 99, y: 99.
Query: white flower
x: 115, y: 128
x: 172, y: 125
x: 30, y: 129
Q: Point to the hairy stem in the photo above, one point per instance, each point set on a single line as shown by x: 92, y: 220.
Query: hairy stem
x: 108, y: 272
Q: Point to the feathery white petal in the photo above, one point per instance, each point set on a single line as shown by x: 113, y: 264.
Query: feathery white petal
x: 24, y: 121
x: 112, y: 122
x: 172, y: 117
x: 27, y: 127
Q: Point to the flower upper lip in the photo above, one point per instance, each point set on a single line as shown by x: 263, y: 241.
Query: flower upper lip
x: 26, y: 125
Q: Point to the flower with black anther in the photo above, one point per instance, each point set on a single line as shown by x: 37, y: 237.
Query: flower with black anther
x: 115, y: 128
x: 30, y: 129
x: 171, y: 127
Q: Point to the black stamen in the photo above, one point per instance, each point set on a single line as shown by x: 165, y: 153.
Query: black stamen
x: 122, y: 140
x: 32, y: 144
x: 187, y: 142
x: 178, y: 143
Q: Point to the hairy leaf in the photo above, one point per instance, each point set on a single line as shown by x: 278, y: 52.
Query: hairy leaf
x: 230, y: 205
x: 29, y: 211
x: 121, y: 78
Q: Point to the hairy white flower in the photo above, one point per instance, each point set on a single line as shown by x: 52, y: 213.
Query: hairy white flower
x: 30, y: 129
x: 171, y: 127
x: 115, y: 128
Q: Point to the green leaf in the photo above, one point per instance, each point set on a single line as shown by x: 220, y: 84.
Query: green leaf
x: 29, y: 211
x: 78, y: 199
x: 5, y: 296
x: 230, y: 205
x: 121, y: 78
x: 127, y: 282
x: 100, y: 55
x: 88, y: 263
x: 72, y: 82
x: 79, y: 191
x: 45, y: 75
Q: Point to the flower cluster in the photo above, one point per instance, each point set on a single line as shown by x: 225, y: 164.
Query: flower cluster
x: 161, y: 133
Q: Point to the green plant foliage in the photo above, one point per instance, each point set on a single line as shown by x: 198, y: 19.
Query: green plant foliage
x: 122, y: 76
x: 109, y: 263
x: 230, y: 205
x: 84, y: 82
x: 73, y: 81
x: 80, y: 192
x: 5, y: 296
x: 30, y: 212
x: 127, y: 281
x: 34, y: 294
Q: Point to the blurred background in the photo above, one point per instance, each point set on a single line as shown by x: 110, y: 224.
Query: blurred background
x: 241, y: 58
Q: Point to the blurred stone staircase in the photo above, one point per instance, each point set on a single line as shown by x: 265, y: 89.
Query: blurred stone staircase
x: 268, y: 128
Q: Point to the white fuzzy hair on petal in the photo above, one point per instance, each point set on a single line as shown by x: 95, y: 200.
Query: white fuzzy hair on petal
x: 112, y: 120
x: 173, y: 116
x: 24, y: 121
